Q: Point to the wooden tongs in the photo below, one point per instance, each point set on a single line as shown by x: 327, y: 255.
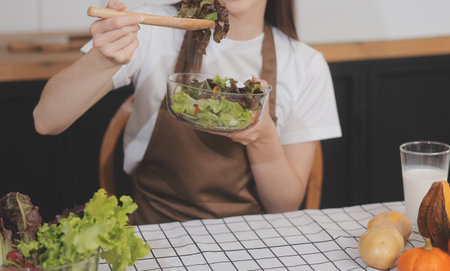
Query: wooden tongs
x: 167, y: 21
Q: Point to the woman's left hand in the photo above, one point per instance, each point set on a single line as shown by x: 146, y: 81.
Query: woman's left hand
x: 258, y: 131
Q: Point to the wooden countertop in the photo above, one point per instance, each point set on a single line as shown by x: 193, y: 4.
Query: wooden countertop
x: 16, y: 66
x: 32, y: 65
x: 384, y: 49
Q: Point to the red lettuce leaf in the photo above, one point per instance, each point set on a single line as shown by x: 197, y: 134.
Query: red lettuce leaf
x: 200, y: 9
x: 20, y: 216
x: 5, y: 242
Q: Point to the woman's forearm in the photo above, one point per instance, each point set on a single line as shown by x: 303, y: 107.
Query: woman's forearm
x: 280, y: 172
x: 71, y: 92
x: 280, y: 187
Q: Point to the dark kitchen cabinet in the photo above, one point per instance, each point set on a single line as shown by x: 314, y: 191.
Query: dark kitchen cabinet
x: 381, y: 104
x: 56, y: 171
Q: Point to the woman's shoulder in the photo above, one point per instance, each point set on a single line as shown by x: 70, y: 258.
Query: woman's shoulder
x: 290, y: 49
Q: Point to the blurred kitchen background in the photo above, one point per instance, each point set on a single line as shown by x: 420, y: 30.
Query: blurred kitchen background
x: 319, y: 21
x: 390, y: 62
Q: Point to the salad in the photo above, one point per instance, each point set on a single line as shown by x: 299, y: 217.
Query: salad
x: 218, y: 103
x: 208, y: 10
x: 98, y: 228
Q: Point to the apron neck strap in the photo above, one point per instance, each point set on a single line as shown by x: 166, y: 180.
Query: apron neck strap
x: 269, y: 67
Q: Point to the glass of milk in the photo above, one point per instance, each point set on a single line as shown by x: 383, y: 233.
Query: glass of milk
x: 423, y: 162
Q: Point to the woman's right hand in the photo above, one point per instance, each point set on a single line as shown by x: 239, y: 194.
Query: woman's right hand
x: 116, y: 38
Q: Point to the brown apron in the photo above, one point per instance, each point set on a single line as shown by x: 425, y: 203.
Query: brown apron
x: 189, y: 174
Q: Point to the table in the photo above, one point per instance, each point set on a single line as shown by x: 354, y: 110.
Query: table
x: 324, y: 239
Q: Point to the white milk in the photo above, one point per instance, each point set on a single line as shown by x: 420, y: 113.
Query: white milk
x: 416, y: 183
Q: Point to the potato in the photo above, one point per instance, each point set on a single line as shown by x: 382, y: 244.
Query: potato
x: 396, y: 219
x: 380, y: 246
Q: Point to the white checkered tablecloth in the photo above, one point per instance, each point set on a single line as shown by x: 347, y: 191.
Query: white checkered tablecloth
x: 324, y: 239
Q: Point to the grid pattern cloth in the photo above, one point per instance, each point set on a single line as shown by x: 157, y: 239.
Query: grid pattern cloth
x: 324, y: 239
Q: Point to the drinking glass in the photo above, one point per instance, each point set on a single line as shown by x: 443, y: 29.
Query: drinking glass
x: 423, y: 162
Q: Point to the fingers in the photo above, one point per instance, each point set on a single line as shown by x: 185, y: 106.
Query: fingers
x: 244, y: 137
x: 116, y: 38
x: 109, y: 37
x: 125, y: 54
x: 114, y: 50
x: 248, y: 135
x: 264, y: 83
x: 116, y: 4
x: 102, y: 26
x: 253, y: 132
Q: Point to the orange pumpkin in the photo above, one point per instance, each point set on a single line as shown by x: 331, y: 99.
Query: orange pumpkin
x: 433, y: 220
x: 424, y: 258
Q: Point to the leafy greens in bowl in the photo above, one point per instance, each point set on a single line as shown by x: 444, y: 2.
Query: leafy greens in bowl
x: 213, y: 103
x: 72, y: 241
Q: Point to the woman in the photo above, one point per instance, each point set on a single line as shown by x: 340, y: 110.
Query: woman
x: 180, y: 173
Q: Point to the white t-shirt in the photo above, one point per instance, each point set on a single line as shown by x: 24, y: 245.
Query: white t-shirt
x: 305, y: 102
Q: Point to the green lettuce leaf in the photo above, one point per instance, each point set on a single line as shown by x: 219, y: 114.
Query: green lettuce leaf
x: 183, y: 103
x: 102, y: 228
x: 212, y: 112
x: 211, y: 16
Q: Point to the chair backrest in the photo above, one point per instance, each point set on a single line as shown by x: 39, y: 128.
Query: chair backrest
x: 112, y: 134
x: 314, y: 192
x: 117, y: 125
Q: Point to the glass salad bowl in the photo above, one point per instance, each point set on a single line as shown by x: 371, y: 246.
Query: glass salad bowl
x: 89, y: 264
x: 212, y: 103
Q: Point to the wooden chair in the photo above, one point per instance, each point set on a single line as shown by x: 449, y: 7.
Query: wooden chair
x: 117, y: 125
x: 110, y: 138
x: 314, y: 189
